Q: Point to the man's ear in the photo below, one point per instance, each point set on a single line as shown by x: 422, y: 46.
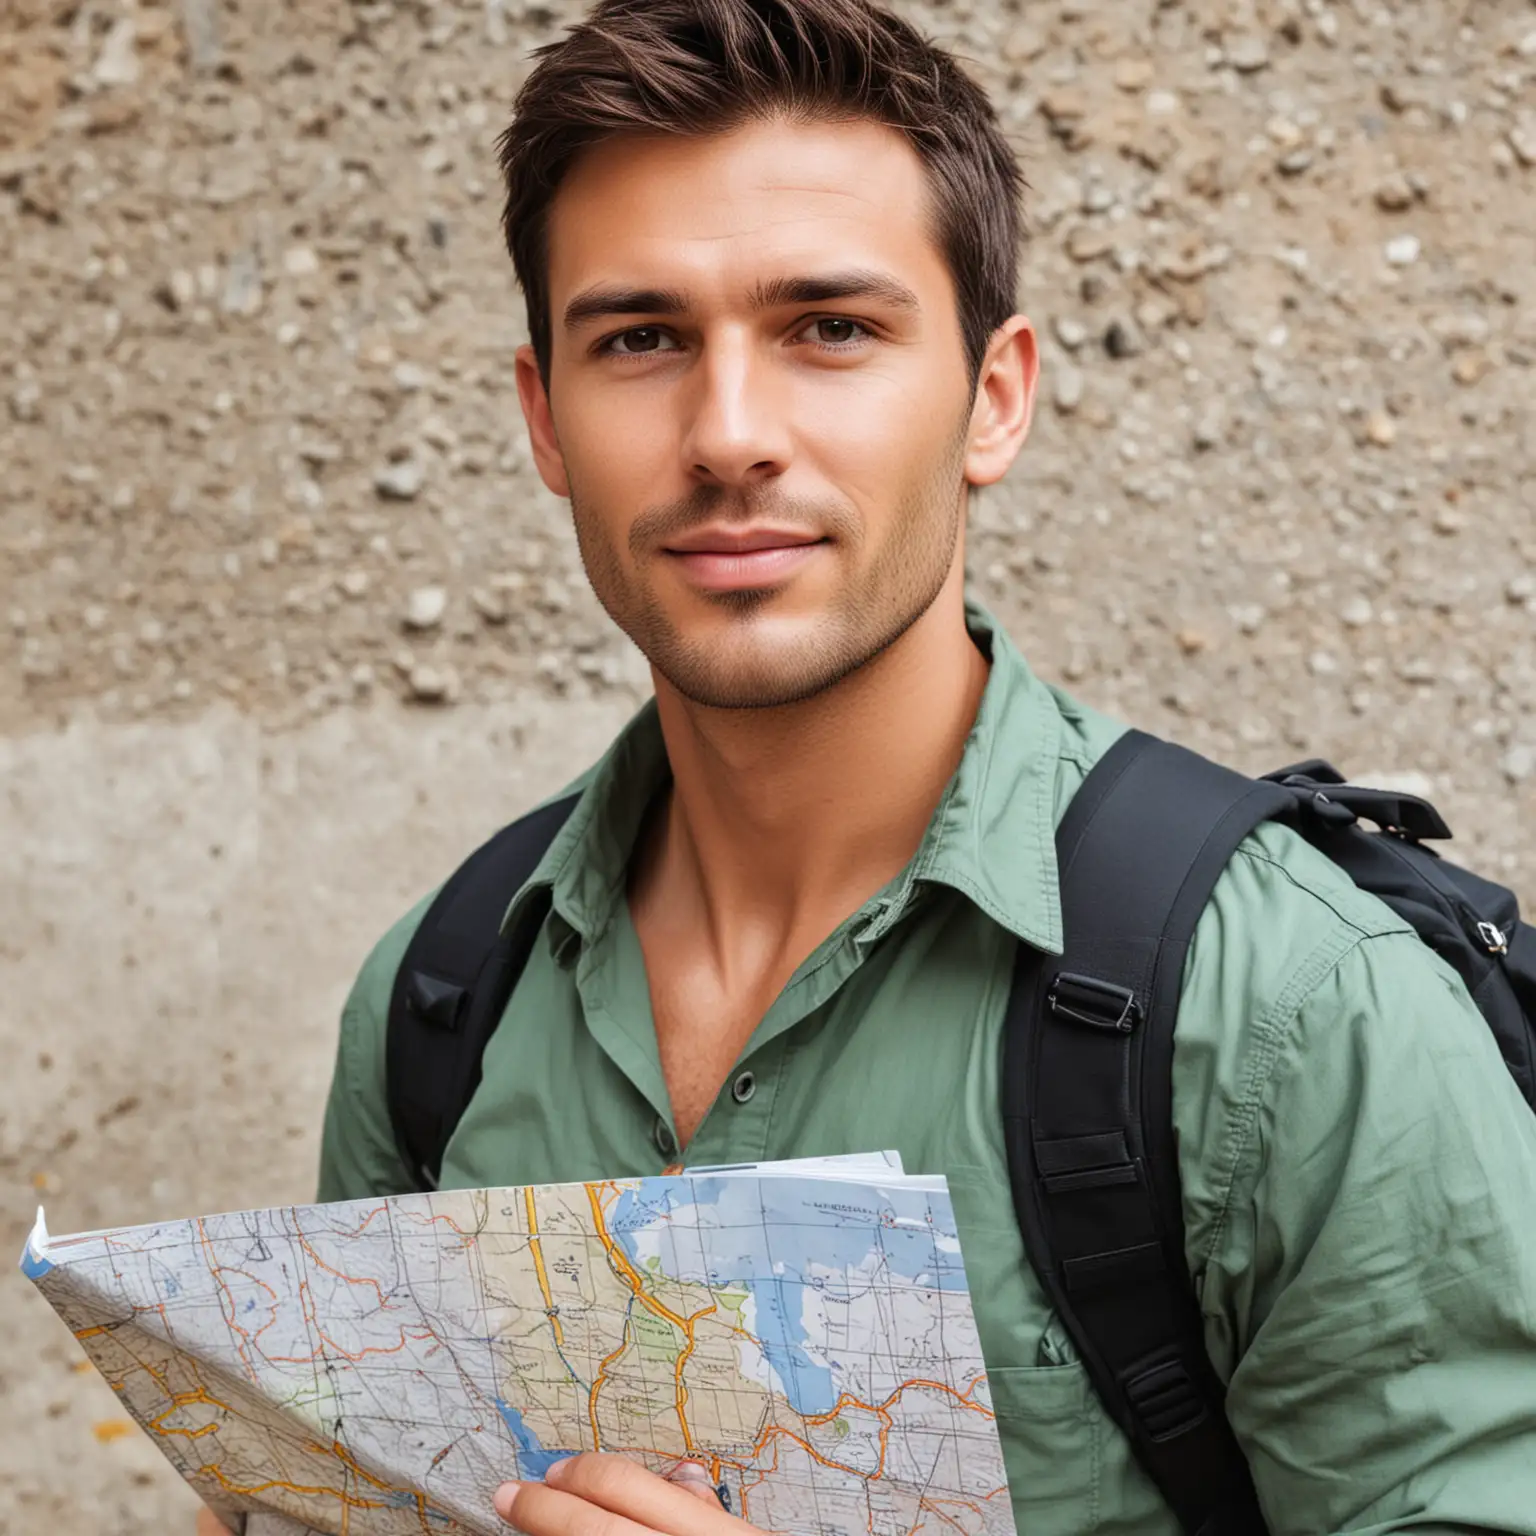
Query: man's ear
x: 1005, y: 402
x: 541, y: 423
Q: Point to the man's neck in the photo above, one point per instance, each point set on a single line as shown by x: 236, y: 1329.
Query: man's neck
x: 782, y: 822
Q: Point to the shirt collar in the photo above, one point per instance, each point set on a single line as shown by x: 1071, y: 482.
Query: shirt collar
x: 993, y: 835
x: 991, y: 838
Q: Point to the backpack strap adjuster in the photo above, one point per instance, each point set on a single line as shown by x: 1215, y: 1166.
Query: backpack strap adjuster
x: 1098, y: 1004
x: 435, y: 1001
x: 1164, y: 1398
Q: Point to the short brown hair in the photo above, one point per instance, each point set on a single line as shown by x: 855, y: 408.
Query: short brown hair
x: 707, y: 66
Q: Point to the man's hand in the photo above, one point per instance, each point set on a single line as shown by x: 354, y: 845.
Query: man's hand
x: 597, y: 1495
x: 209, y: 1524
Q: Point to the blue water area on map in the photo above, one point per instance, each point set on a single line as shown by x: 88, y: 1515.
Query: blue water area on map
x: 532, y: 1459
x: 777, y: 1236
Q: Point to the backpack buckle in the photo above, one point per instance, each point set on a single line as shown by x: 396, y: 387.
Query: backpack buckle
x: 1098, y: 1004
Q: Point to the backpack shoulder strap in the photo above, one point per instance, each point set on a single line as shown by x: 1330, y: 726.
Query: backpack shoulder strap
x: 454, y: 980
x: 1087, y: 1091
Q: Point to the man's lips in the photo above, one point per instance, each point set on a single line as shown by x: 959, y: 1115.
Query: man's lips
x: 741, y: 541
x: 745, y: 559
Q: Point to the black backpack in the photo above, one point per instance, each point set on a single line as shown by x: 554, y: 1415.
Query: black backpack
x: 1087, y: 1052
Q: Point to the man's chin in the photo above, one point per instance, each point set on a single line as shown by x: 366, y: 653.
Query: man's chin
x: 722, y: 675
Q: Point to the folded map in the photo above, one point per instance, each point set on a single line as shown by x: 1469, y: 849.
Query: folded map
x: 378, y: 1367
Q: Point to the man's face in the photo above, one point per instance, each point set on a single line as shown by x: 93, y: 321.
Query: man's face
x: 759, y: 403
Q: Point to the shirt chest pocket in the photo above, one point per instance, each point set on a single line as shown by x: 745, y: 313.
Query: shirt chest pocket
x: 1052, y: 1431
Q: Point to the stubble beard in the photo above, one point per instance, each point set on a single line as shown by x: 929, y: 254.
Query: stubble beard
x: 876, y: 605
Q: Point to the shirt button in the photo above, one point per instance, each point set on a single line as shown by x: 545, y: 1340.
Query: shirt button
x: 744, y: 1087
x: 661, y: 1134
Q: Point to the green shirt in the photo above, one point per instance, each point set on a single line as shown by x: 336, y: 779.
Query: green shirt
x: 1359, y: 1170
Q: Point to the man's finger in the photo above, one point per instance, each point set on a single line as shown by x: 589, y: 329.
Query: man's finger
x: 616, y: 1483
x: 536, y: 1509
x: 692, y: 1478
x: 623, y: 1489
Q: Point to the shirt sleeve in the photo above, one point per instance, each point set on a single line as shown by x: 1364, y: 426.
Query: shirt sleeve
x: 358, y: 1156
x: 1376, y: 1264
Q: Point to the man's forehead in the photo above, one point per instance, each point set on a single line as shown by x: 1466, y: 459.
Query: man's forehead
x: 765, y: 202
x: 775, y: 155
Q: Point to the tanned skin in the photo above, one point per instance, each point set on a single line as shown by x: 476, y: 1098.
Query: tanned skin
x: 813, y: 712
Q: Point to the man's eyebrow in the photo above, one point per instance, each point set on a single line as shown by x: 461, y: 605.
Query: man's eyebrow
x: 855, y: 283
x: 604, y: 300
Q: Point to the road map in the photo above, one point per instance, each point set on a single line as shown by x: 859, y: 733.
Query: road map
x: 378, y: 1367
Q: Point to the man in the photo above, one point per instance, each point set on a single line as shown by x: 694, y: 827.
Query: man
x: 768, y: 251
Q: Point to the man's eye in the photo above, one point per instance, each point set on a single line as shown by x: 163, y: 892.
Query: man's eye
x: 639, y: 340
x: 834, y: 333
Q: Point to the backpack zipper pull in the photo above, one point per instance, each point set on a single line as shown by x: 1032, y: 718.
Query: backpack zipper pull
x: 1493, y: 938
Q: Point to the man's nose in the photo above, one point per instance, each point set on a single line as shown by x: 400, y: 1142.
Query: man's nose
x: 737, y: 431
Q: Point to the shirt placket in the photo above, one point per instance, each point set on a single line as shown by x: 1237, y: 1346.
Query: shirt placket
x: 735, y: 1129
x: 615, y: 996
